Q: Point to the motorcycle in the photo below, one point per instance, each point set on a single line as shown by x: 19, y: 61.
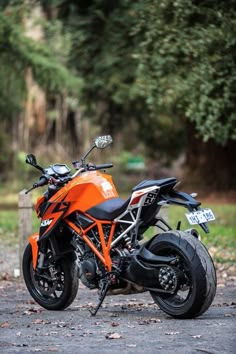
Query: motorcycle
x: 88, y: 233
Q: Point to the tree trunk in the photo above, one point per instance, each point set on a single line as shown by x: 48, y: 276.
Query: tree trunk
x: 210, y: 166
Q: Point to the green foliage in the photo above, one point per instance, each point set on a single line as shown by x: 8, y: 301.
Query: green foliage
x: 186, y: 63
x: 162, y: 62
x: 9, y: 226
x: 5, y: 153
x: 18, y: 53
x: 102, y: 46
x: 105, y: 39
x: 221, y: 239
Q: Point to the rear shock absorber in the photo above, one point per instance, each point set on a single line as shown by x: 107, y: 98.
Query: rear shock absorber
x: 127, y: 241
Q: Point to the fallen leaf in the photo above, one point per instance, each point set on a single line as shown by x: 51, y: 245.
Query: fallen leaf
x: 196, y: 336
x: 41, y: 321
x: 171, y: 333
x: 115, y: 324
x: 97, y: 323
x: 114, y: 315
x: 21, y: 345
x: 31, y: 311
x: 155, y: 320
x: 220, y: 285
x: 38, y: 321
x: 149, y: 321
x: 131, y: 345
x: 113, y: 336
x: 52, y: 349
x: 4, y: 325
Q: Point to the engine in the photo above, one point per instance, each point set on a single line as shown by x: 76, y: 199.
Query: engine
x: 91, y: 269
x: 88, y: 272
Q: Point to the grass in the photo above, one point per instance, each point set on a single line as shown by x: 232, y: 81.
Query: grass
x: 220, y: 241
x: 9, y: 226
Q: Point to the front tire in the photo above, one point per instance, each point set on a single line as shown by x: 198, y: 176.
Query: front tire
x: 53, y: 289
x: 195, y: 274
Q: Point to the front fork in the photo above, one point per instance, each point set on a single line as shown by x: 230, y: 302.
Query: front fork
x: 38, y: 259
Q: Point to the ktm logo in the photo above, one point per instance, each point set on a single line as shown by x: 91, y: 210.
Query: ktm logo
x: 46, y: 222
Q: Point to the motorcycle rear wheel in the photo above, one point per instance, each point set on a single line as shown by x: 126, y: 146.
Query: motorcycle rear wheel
x: 196, y: 293
x: 51, y: 292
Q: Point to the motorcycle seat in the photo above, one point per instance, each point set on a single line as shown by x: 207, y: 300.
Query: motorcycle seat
x: 157, y: 182
x: 109, y: 209
x: 112, y: 208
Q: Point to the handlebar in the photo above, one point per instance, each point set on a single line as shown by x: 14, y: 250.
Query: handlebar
x: 41, y: 182
x: 103, y: 166
x: 45, y: 179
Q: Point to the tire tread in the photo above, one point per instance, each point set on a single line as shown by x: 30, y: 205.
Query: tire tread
x: 204, y: 270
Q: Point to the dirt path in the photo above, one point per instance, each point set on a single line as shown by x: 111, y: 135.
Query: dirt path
x: 127, y: 324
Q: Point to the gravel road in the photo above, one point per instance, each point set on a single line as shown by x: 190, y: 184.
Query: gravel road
x: 127, y: 324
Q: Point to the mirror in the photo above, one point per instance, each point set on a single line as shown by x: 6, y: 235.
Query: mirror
x: 103, y: 141
x: 31, y: 159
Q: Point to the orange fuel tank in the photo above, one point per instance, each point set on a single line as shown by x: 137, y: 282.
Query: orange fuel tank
x: 85, y: 191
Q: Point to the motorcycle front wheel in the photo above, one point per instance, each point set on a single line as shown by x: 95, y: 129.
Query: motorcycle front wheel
x: 56, y: 286
x: 194, y: 275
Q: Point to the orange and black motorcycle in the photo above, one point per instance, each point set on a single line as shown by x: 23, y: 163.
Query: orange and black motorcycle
x: 87, y: 232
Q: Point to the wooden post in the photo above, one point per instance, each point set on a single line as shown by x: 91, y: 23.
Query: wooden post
x: 25, y: 223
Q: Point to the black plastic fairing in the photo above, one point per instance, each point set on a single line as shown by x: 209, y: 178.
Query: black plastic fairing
x: 157, y: 182
x: 181, y: 198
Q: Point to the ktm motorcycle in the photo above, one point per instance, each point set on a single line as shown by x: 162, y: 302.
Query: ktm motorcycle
x: 87, y: 232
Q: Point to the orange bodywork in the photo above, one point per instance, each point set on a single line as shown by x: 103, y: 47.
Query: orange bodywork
x: 33, y: 240
x: 86, y: 191
x: 82, y: 193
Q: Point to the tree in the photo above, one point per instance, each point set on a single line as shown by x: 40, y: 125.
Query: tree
x: 187, y: 63
x: 170, y: 64
x: 23, y: 58
x: 105, y: 40
x: 187, y: 69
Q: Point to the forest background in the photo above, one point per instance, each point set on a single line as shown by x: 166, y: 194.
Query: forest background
x: 158, y: 75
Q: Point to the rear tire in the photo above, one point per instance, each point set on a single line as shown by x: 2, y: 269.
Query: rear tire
x: 196, y: 267
x: 51, y: 292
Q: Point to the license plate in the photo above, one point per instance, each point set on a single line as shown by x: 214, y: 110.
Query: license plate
x: 200, y: 216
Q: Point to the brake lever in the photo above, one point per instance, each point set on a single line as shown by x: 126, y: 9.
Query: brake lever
x: 53, y: 180
x: 30, y: 189
x: 41, y: 182
x: 60, y: 180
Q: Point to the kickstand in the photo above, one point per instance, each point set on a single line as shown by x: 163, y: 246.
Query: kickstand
x: 105, y: 287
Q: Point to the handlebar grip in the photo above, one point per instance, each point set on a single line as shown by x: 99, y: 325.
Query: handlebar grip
x: 104, y: 166
x: 41, y: 182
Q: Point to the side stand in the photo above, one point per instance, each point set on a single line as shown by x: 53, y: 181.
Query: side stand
x: 105, y: 287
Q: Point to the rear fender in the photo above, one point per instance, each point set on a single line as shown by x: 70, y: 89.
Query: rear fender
x: 182, y: 199
x: 185, y: 200
x: 33, y: 240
